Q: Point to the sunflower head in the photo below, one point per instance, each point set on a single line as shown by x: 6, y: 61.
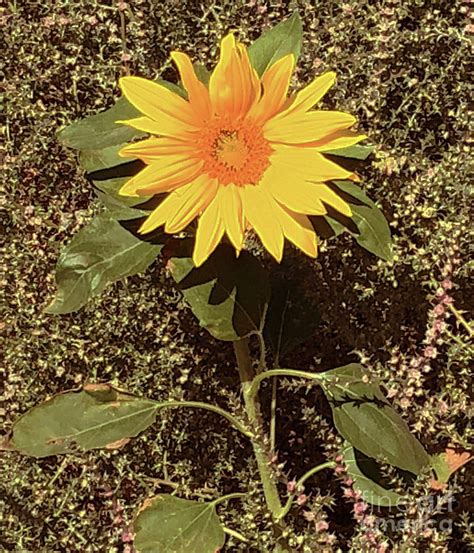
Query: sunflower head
x: 239, y: 154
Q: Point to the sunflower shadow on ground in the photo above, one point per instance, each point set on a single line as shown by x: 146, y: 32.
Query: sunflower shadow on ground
x: 347, y: 324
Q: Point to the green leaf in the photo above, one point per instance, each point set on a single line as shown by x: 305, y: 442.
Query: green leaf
x: 104, y: 168
x: 107, y: 190
x: 99, y: 254
x: 228, y: 295
x: 202, y: 73
x: 99, y: 416
x: 373, y: 230
x: 357, y: 151
x: 285, y: 38
x: 101, y: 130
x: 168, y: 524
x: 363, y: 417
x: 291, y: 318
x: 350, y: 381
x: 371, y: 491
x: 102, y: 158
x: 121, y: 208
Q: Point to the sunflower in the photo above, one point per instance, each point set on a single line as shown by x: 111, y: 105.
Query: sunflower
x: 239, y: 154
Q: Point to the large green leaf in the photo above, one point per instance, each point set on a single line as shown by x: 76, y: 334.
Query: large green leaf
x: 358, y: 469
x: 99, y: 254
x: 168, y: 524
x: 98, y: 416
x: 285, y: 38
x: 349, y: 383
x: 101, y: 130
x: 364, y: 418
x: 228, y: 295
x: 373, y: 230
x: 291, y: 318
x: 121, y: 208
x: 102, y: 158
x: 108, y: 172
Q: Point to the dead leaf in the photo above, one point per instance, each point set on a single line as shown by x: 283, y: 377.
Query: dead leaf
x: 456, y: 460
x: 118, y: 444
x: 447, y: 463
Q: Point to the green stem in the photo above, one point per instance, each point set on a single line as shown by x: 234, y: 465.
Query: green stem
x: 227, y: 497
x: 281, y: 372
x: 455, y: 338
x: 235, y: 534
x: 273, y: 408
x: 252, y: 407
x: 208, y: 407
x: 461, y: 319
x: 299, y: 485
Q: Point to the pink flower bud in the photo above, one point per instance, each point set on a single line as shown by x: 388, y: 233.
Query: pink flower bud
x: 291, y: 486
x: 321, y: 526
x: 447, y: 284
x: 360, y: 507
x: 447, y: 300
x: 127, y: 536
x: 301, y: 499
x: 430, y: 352
x: 349, y: 493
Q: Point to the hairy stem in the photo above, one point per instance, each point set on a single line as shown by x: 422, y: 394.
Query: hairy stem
x: 273, y: 410
x: 461, y: 319
x: 252, y: 407
x: 253, y: 391
x: 208, y: 407
x: 227, y: 497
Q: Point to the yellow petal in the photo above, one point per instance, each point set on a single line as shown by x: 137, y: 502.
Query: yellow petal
x: 167, y: 126
x: 161, y: 175
x: 156, y: 101
x: 259, y: 209
x: 151, y: 148
x: 275, y: 83
x: 306, y: 127
x: 232, y: 215
x: 162, y: 213
x: 307, y: 163
x: 330, y: 197
x: 198, y: 94
x: 293, y: 192
x: 194, y: 198
x: 298, y: 229
x: 340, y: 139
x: 179, y: 178
x: 234, y: 85
x: 209, y: 232
x: 310, y: 95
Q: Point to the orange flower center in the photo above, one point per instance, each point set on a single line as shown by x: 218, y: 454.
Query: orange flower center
x: 234, y: 151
